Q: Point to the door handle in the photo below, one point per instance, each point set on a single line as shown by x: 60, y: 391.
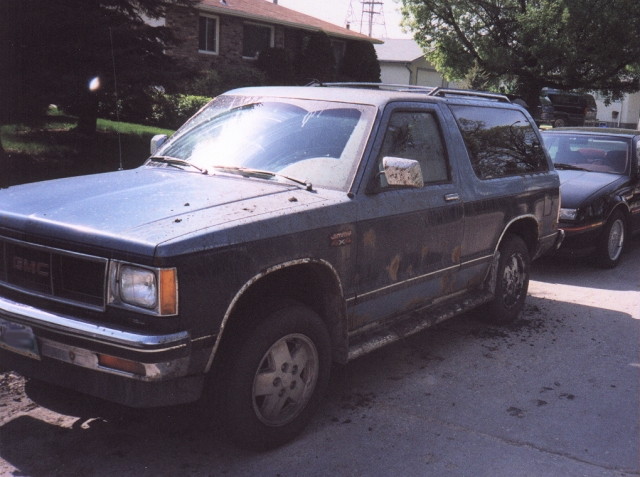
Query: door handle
x: 451, y: 197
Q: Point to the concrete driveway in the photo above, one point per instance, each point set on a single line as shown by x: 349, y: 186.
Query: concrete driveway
x: 555, y: 394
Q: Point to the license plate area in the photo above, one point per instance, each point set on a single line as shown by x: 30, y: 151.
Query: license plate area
x: 18, y: 338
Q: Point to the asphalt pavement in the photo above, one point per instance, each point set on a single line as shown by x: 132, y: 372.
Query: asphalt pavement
x: 555, y: 394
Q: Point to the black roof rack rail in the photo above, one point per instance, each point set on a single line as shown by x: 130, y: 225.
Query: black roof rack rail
x: 428, y: 90
x: 382, y: 86
x: 469, y: 94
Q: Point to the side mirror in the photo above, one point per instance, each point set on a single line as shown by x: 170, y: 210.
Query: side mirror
x: 156, y: 142
x: 402, y: 172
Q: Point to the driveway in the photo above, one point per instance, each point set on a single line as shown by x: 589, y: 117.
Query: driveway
x: 555, y: 394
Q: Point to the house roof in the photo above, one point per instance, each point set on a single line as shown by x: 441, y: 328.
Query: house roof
x: 398, y: 51
x: 267, y: 11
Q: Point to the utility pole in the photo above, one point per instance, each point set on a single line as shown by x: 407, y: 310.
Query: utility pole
x: 371, y: 16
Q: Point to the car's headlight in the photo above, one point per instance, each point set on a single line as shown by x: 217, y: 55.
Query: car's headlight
x: 568, y: 214
x: 138, y: 287
x: 151, y: 290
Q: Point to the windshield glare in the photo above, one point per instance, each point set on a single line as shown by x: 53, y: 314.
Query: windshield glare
x: 591, y: 153
x: 315, y: 141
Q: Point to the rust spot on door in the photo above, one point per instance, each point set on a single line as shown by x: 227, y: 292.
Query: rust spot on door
x: 393, y: 268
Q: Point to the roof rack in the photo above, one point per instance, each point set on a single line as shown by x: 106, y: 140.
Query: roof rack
x: 428, y: 90
x: 470, y: 94
x: 381, y: 86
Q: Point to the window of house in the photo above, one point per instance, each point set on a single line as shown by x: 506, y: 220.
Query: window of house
x: 416, y: 135
x: 500, y: 142
x: 256, y: 38
x: 208, y: 34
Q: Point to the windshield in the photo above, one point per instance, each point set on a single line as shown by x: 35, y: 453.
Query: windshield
x: 317, y: 142
x: 591, y: 153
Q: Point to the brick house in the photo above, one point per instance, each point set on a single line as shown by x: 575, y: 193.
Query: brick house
x: 224, y: 32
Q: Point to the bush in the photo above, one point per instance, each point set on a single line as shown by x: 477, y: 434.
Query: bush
x: 360, y: 63
x: 317, y: 61
x: 171, y: 110
x: 214, y: 82
x: 277, y: 66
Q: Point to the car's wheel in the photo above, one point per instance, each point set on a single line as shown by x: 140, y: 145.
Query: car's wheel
x: 275, y: 378
x: 512, y: 282
x: 559, y: 123
x: 609, y: 248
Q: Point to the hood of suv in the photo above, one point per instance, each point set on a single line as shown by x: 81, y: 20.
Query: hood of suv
x: 139, y: 209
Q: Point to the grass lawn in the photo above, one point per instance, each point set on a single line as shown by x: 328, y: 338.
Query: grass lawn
x: 53, y: 149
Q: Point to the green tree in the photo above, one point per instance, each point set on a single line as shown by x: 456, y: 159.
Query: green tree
x: 361, y: 62
x: 524, y: 45
x: 317, y: 61
x: 58, y: 47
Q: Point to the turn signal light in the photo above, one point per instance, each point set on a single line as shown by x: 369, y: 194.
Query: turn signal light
x: 120, y: 364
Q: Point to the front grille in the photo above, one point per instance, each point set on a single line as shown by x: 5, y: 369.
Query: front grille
x: 60, y: 275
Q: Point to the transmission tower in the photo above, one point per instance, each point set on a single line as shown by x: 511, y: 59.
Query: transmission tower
x: 371, y: 17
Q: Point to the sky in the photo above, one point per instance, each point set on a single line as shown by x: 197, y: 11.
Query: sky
x: 386, y: 24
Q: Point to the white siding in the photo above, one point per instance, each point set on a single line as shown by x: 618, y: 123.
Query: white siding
x: 394, y: 74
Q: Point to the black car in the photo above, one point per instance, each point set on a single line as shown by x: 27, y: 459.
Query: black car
x: 600, y: 189
x: 565, y: 108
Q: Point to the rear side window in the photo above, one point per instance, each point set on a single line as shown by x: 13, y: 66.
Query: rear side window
x: 500, y: 142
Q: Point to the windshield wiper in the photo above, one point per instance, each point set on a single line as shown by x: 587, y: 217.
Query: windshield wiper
x: 258, y: 172
x: 569, y: 167
x: 174, y: 161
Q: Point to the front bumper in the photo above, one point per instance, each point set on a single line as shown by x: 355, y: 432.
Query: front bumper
x: 135, y: 369
x: 579, y: 241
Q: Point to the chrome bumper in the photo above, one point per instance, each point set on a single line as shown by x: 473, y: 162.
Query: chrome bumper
x: 132, y: 355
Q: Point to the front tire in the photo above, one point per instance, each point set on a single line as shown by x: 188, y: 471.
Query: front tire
x: 276, y: 378
x: 512, y: 282
x: 611, y: 245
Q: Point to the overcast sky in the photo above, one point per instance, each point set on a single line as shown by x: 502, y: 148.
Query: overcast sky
x: 385, y: 24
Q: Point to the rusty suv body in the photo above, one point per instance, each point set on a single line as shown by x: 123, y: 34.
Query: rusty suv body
x: 279, y: 230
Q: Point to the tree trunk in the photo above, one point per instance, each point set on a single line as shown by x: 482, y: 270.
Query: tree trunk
x: 88, y: 115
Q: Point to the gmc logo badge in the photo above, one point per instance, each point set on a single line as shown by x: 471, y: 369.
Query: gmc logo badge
x: 40, y: 269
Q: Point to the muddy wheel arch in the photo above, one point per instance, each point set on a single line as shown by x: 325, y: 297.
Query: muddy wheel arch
x: 314, y: 283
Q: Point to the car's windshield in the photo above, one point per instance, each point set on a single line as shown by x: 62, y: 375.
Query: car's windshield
x: 594, y: 153
x: 317, y: 142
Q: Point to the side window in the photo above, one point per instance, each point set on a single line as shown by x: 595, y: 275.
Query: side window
x: 415, y: 135
x: 256, y: 38
x: 500, y: 142
x: 208, y: 34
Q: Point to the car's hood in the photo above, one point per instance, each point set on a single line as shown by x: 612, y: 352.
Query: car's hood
x: 577, y: 187
x: 140, y: 209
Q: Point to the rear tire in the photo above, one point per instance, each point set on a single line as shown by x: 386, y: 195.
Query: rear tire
x: 275, y: 378
x: 611, y: 245
x: 512, y: 282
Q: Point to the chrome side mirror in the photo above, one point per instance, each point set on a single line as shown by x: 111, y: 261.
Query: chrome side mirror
x: 156, y: 142
x: 402, y: 172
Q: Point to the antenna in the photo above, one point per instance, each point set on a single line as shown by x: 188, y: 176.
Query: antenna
x: 115, y: 88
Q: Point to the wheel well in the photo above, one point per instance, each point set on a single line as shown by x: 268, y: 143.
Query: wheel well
x: 624, y: 210
x: 311, y: 284
x: 527, y: 229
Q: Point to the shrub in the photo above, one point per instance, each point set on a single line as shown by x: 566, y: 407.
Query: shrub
x: 214, y: 82
x: 277, y: 66
x: 317, y: 62
x: 171, y: 110
x: 360, y: 63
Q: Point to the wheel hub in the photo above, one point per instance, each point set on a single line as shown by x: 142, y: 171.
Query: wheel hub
x: 285, y: 380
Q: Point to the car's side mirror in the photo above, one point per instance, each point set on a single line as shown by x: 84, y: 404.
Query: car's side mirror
x: 400, y: 172
x: 156, y: 142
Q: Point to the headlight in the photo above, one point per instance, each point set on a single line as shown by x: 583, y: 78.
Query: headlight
x: 568, y: 214
x: 150, y: 290
x: 138, y: 287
